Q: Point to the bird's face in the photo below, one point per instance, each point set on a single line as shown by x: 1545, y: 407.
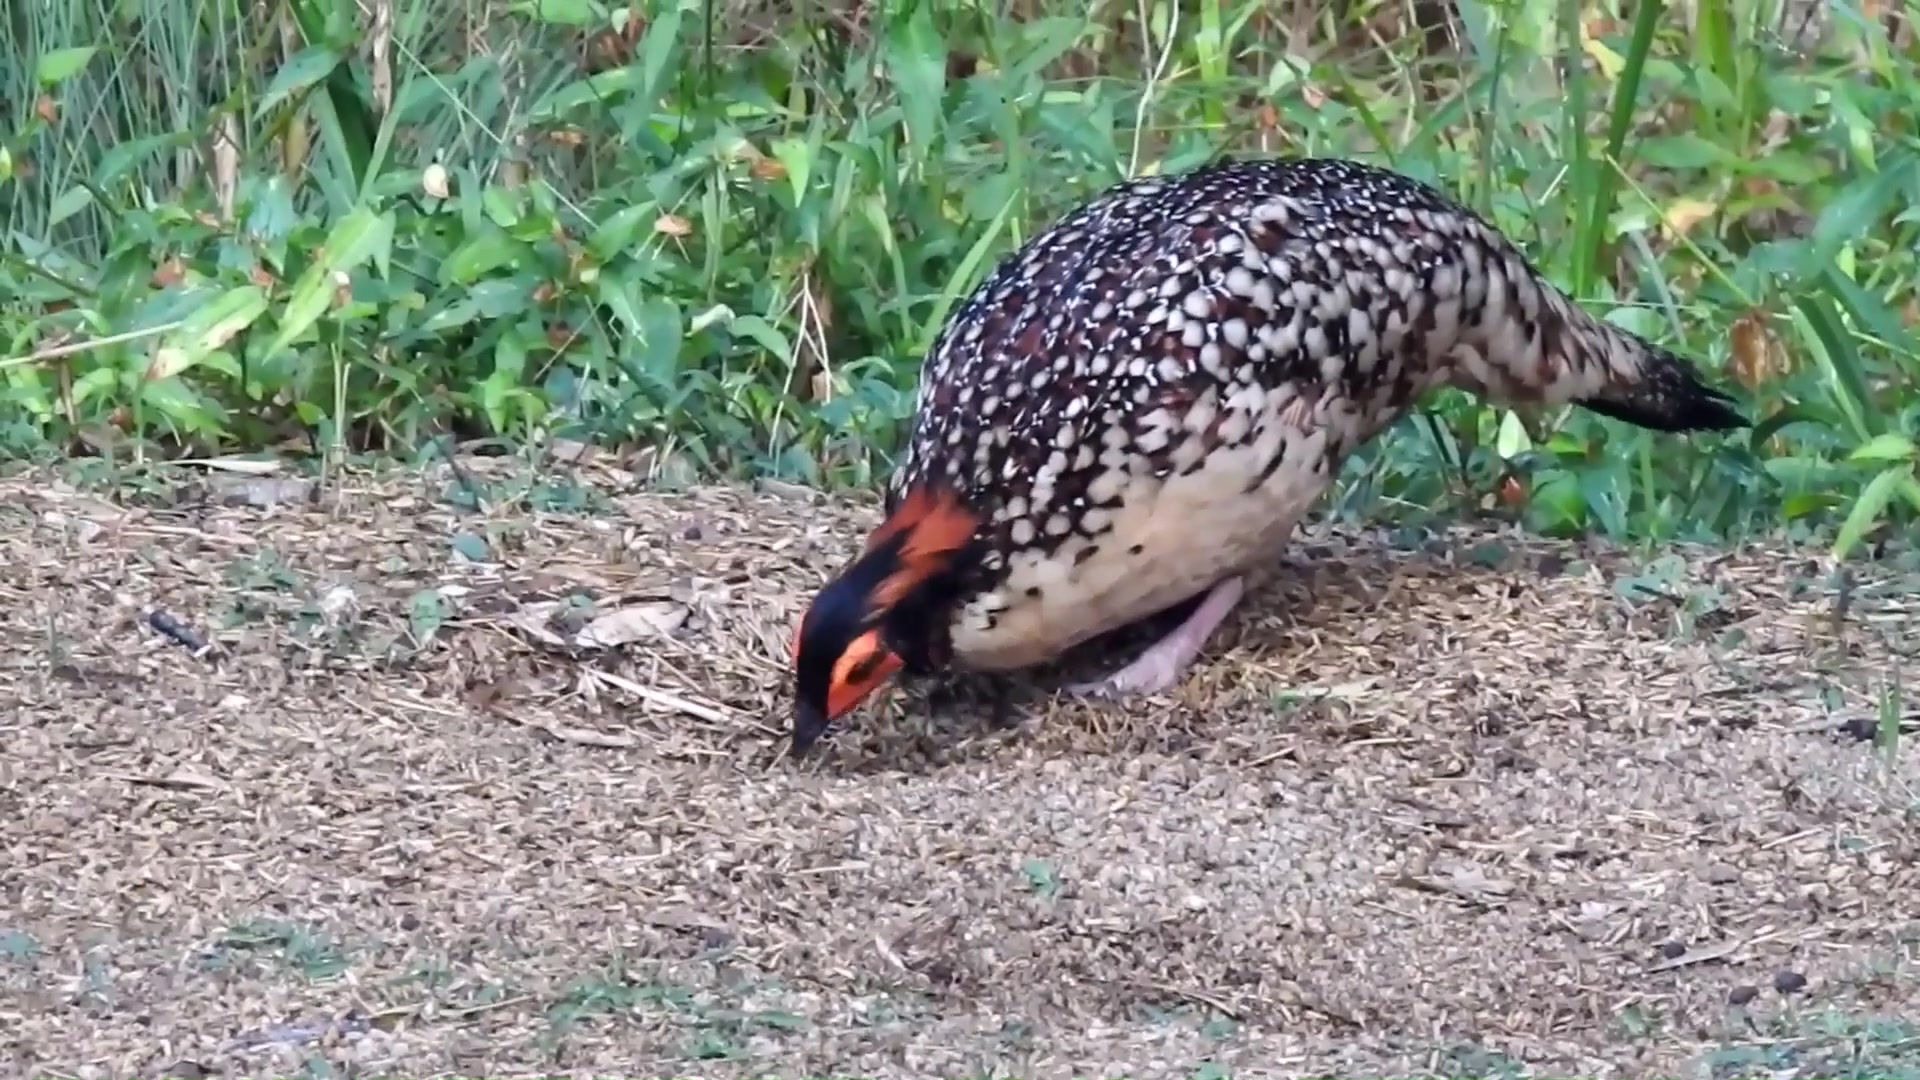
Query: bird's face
x: 850, y: 641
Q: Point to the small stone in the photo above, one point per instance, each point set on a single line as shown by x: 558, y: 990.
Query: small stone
x: 1673, y: 950
x: 1722, y: 874
x: 1742, y: 995
x: 1789, y: 982
x: 1861, y: 728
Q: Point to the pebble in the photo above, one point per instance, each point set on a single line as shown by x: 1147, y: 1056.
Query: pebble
x: 1722, y: 874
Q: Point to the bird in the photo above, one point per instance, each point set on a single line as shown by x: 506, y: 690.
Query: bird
x: 1135, y: 408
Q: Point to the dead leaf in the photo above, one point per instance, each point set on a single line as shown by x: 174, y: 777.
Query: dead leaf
x: 250, y: 466
x: 169, y: 273
x: 639, y: 622
x: 569, y: 733
x: 182, y: 779
x: 168, y: 361
x: 1756, y: 355
x: 1683, y: 214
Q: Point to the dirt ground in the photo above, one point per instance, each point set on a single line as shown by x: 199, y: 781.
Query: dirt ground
x: 500, y: 791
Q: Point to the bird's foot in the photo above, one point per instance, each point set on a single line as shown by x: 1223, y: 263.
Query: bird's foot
x: 1166, y: 660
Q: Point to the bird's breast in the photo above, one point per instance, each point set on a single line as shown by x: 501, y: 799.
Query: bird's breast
x: 1128, y: 519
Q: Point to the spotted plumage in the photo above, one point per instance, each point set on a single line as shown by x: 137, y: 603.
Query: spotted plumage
x: 1138, y: 407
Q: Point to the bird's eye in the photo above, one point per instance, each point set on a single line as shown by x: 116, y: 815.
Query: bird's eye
x: 863, y: 668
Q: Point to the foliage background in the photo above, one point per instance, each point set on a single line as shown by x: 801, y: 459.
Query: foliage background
x: 715, y: 238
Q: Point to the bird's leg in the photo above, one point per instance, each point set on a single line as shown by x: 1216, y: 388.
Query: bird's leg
x: 1165, y: 660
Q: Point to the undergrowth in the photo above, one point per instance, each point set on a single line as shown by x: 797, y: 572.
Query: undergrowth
x: 718, y: 237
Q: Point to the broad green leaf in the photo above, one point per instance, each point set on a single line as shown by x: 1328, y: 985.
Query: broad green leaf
x: 616, y: 233
x: 510, y: 357
x: 122, y: 158
x: 459, y: 313
x: 310, y: 299
x: 1885, y: 447
x: 1869, y: 507
x: 1859, y: 207
x: 215, y: 323
x: 562, y: 12
x: 365, y: 233
x: 1513, y: 440
x: 916, y: 59
x: 483, y: 253
x: 661, y: 332
x: 1688, y: 151
x: 654, y: 59
x: 304, y: 70
x: 70, y: 202
x: 60, y: 65
x: 101, y: 380
x: 1821, y: 328
x: 765, y: 334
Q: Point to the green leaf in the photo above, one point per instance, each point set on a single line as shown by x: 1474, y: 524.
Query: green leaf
x: 488, y: 250
x: 99, y: 381
x: 1885, y: 447
x: 661, y: 332
x: 916, y: 59
x: 471, y: 546
x: 763, y: 333
x: 71, y: 201
x: 1679, y: 152
x: 426, y: 613
x: 1858, y: 209
x: 123, y: 158
x: 310, y: 299
x: 365, y: 233
x: 1841, y: 360
x: 653, y: 65
x: 1869, y: 507
x: 1513, y: 439
x: 305, y: 70
x: 62, y: 64
x: 616, y: 234
x: 458, y: 313
x: 562, y: 12
x: 215, y: 323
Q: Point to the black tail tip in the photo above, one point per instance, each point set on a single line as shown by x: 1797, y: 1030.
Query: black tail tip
x: 1707, y: 410
x: 1672, y: 398
x: 1703, y: 413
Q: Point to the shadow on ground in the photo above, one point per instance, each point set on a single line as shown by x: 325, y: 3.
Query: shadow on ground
x: 1457, y: 804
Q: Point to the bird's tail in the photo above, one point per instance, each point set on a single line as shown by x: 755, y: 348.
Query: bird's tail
x: 1532, y: 343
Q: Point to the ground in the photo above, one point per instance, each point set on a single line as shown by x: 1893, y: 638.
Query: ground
x: 499, y: 790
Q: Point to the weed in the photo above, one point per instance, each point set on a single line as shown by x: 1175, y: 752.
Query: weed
x: 714, y: 250
x: 309, y: 952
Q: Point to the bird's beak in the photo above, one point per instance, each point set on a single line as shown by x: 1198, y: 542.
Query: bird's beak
x: 809, y: 723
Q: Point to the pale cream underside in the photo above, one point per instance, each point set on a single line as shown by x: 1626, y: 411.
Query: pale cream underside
x: 1193, y: 531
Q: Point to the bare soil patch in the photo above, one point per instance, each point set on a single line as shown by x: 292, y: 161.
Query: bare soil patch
x: 1460, y: 804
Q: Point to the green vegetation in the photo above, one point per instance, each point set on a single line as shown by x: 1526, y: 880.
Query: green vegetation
x: 720, y: 237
